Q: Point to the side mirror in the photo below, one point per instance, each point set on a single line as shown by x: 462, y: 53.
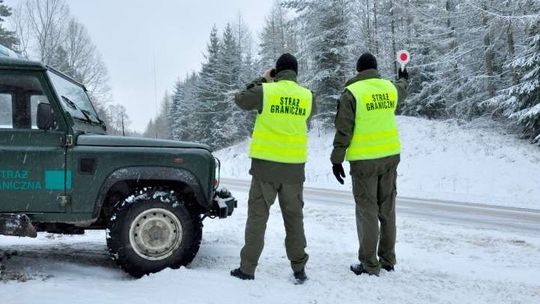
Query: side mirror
x: 45, y: 116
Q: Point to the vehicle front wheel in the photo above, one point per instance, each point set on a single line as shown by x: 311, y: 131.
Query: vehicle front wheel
x: 152, y: 230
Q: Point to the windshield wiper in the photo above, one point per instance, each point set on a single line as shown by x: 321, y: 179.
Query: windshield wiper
x: 74, y: 106
x: 89, y: 114
x: 96, y: 118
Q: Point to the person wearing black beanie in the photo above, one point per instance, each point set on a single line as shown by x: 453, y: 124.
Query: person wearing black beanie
x: 287, y: 62
x: 365, y: 62
x: 367, y: 136
x: 278, y: 154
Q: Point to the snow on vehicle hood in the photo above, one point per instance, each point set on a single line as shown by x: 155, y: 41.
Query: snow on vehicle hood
x: 120, y: 141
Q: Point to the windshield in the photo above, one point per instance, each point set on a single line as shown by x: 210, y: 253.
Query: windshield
x: 74, y: 99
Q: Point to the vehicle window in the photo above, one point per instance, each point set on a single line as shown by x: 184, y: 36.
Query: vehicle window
x: 19, y: 99
x: 74, y: 98
x: 6, y: 111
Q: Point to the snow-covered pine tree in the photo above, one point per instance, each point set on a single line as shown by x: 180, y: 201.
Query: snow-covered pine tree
x: 486, y: 56
x: 517, y: 88
x: 214, y: 118
x: 176, y: 114
x: 7, y: 38
x: 188, y: 115
x: 249, y: 70
x: 430, y: 31
x: 209, y: 89
x: 524, y: 102
x: 277, y: 37
x: 358, y: 35
x: 224, y: 131
x: 150, y: 130
x: 326, y: 26
x: 196, y: 119
x: 162, y: 127
x: 168, y: 114
x: 244, y: 119
x: 230, y: 60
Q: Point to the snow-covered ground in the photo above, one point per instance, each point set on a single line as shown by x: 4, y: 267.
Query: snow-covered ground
x: 468, y: 162
x: 439, y: 262
x: 442, y: 258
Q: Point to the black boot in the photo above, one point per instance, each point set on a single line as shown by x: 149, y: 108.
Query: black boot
x: 241, y: 275
x: 300, y: 277
x: 388, y: 268
x: 358, y: 269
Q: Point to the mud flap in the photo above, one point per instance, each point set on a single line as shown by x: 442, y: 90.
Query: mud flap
x: 17, y: 225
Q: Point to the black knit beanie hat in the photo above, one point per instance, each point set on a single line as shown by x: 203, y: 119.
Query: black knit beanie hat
x: 286, y: 62
x: 366, y: 62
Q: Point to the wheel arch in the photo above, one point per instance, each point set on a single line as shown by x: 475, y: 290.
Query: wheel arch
x: 124, y: 180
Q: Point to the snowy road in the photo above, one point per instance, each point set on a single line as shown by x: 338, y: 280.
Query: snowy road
x: 477, y: 215
x: 447, y: 253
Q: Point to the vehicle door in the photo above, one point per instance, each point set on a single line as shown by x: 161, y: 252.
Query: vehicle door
x: 33, y: 174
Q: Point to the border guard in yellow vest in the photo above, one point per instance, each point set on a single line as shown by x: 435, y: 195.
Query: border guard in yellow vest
x: 279, y: 153
x: 367, y: 136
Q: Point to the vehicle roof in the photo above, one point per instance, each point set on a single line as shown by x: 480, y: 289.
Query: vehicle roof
x: 9, y: 63
x: 13, y: 63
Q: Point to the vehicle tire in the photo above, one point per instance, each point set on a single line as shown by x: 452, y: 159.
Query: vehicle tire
x: 196, y: 243
x: 152, y: 230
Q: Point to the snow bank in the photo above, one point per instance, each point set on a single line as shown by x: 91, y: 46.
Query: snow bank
x: 452, y: 160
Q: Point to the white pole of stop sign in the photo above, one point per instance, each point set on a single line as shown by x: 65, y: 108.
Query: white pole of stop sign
x: 403, y: 57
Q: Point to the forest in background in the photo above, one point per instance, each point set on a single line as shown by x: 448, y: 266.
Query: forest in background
x: 470, y: 59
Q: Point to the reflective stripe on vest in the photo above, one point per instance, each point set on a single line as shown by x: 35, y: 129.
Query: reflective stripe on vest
x: 375, y: 130
x: 280, y: 132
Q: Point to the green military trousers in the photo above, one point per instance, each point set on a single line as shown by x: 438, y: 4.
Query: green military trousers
x: 374, y: 189
x: 261, y: 197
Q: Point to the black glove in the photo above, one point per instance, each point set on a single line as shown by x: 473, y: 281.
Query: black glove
x: 403, y: 73
x: 339, y: 173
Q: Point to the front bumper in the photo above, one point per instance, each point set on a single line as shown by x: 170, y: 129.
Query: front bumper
x: 223, y: 204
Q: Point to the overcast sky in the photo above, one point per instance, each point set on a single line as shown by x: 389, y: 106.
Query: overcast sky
x: 131, y: 33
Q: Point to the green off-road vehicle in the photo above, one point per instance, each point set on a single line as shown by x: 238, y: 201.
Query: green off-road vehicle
x: 61, y: 173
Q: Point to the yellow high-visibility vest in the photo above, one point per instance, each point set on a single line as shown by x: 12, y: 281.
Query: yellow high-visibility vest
x: 280, y: 132
x: 375, y: 131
